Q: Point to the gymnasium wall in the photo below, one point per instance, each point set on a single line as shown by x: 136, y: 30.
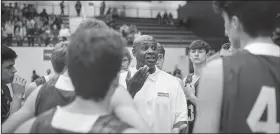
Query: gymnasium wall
x: 38, y: 58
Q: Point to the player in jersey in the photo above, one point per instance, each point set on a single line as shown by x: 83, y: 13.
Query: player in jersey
x: 198, y: 54
x: 161, y: 57
x: 39, y: 100
x: 241, y: 93
x: 90, y: 51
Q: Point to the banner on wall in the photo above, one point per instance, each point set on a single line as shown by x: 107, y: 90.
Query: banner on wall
x: 47, y: 54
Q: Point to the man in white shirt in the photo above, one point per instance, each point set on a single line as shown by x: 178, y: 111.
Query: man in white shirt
x: 158, y: 96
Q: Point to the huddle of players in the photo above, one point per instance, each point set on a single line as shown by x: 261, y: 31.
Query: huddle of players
x: 233, y: 91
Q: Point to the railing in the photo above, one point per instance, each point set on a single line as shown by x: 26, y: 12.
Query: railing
x: 94, y: 10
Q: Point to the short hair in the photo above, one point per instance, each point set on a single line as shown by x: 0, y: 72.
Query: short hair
x: 92, y: 23
x: 226, y: 46
x: 58, y: 57
x: 257, y: 17
x: 127, y: 54
x: 200, y: 44
x: 144, y: 39
x: 94, y: 60
x: 160, y: 49
x: 7, y: 53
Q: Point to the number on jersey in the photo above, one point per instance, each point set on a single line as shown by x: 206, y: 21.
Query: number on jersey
x: 266, y: 98
x: 191, y: 118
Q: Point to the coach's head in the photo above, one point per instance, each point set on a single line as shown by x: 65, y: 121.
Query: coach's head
x: 145, y: 51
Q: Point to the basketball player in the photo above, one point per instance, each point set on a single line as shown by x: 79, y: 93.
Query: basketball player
x: 126, y: 60
x: 162, y: 105
x: 62, y: 86
x: 198, y: 54
x: 241, y: 93
x: 161, y: 58
x: 90, y: 52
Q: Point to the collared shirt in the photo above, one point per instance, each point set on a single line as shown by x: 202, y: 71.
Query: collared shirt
x: 161, y: 101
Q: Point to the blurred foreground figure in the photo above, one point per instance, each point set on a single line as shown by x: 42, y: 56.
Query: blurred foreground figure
x: 235, y: 91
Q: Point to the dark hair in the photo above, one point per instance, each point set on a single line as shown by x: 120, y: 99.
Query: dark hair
x: 127, y: 54
x: 7, y: 53
x: 94, y: 60
x: 226, y: 46
x: 160, y: 49
x: 91, y: 23
x: 58, y: 57
x: 257, y: 17
x: 199, y: 44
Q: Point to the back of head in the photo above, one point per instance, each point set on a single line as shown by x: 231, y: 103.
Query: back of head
x: 199, y: 44
x: 92, y: 23
x: 94, y: 60
x: 58, y: 57
x: 7, y: 53
x: 257, y: 17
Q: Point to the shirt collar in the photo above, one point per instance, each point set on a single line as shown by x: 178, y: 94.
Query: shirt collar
x: 263, y: 49
x: 64, y: 83
x: 152, y: 77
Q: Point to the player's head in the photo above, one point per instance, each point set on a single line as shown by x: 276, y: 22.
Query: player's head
x: 94, y: 61
x: 161, y: 55
x: 198, y: 51
x: 145, y: 51
x: 246, y: 19
x: 58, y: 57
x: 8, y: 61
x: 126, y: 59
x: 225, y: 50
x: 91, y: 23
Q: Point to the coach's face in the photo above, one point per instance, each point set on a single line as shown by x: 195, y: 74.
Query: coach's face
x: 8, y: 71
x: 146, y: 53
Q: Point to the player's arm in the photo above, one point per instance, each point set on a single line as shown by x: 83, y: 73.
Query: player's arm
x: 29, y: 88
x: 210, y: 95
x: 26, y: 112
x: 26, y: 127
x: 188, y: 92
x: 125, y: 109
x: 181, y: 112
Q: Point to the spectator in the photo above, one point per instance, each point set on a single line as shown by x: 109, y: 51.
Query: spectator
x: 3, y: 34
x: 34, y: 76
x: 159, y: 18
x: 44, y: 15
x: 62, y: 7
x: 32, y: 12
x: 115, y: 13
x: 38, y: 29
x: 25, y: 11
x: 124, y: 29
x: 177, y: 73
x: 46, y: 35
x: 165, y: 18
x: 64, y: 33
x: 9, y: 28
x: 17, y: 22
x: 11, y: 11
x: 122, y: 13
x: 30, y: 25
x: 109, y: 11
x: 170, y: 19
x: 20, y: 33
x: 102, y: 8
x: 17, y: 12
x: 55, y: 33
x: 78, y: 7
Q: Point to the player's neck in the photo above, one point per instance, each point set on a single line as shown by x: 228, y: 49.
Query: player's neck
x: 88, y: 107
x: 198, y: 68
x: 247, y: 40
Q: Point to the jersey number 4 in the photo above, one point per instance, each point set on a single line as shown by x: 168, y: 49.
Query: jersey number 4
x: 266, y: 99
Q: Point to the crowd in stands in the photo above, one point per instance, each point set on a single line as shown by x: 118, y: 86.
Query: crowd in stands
x: 129, y: 32
x: 25, y: 23
x: 165, y: 19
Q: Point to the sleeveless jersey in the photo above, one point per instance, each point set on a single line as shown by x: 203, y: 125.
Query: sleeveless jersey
x: 49, y: 97
x: 251, y: 95
x: 191, y: 106
x: 104, y: 124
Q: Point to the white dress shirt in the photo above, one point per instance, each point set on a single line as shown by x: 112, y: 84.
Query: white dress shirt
x: 161, y: 100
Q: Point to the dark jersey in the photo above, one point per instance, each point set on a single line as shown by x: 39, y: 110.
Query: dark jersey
x: 6, y: 100
x: 191, y: 106
x: 49, y: 97
x: 251, y: 95
x: 104, y: 124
